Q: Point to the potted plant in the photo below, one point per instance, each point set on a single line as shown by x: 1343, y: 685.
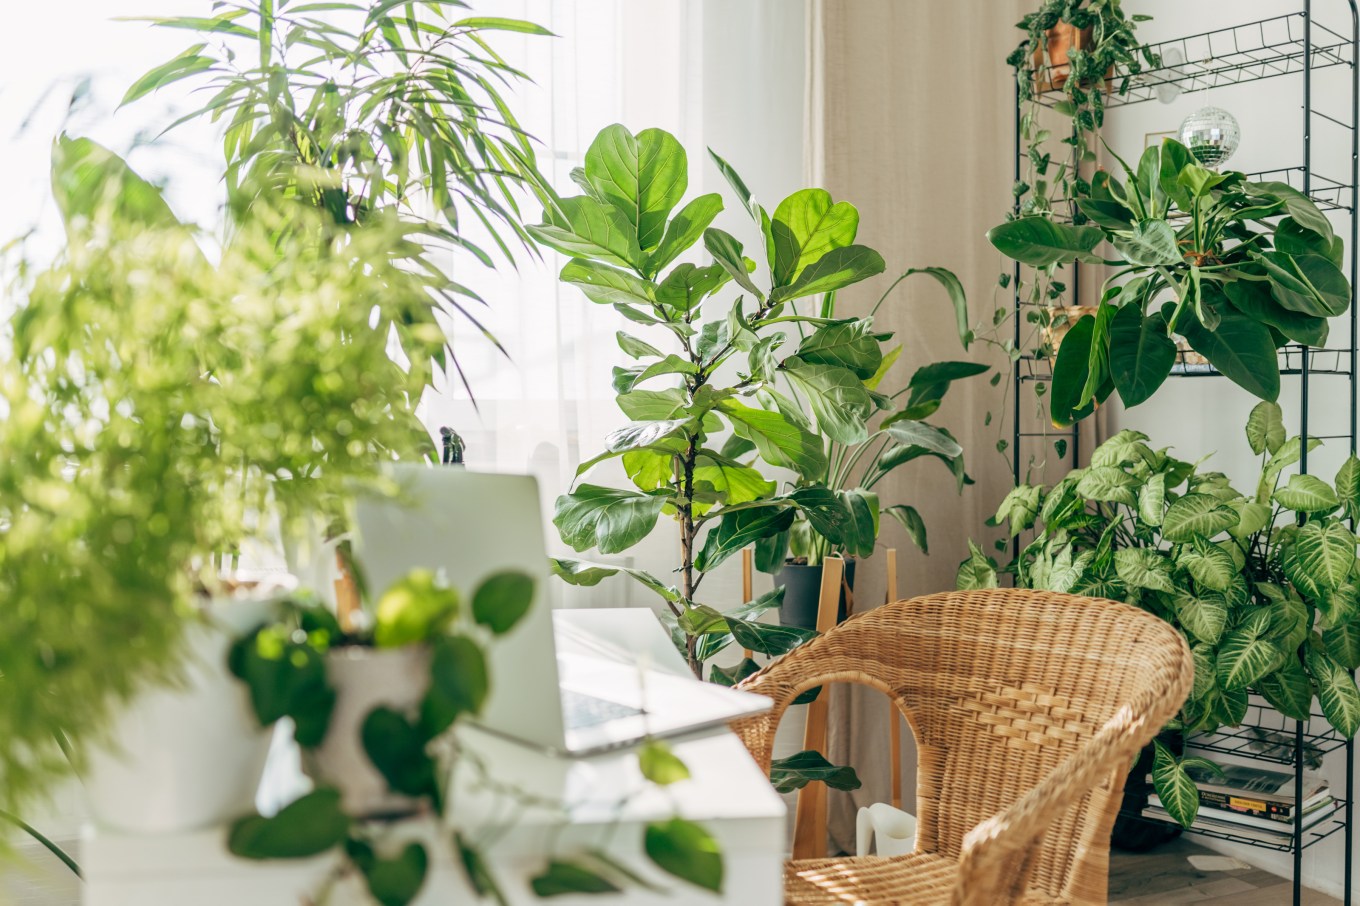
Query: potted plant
x: 1261, y: 584
x: 855, y: 469
x: 368, y: 111
x: 164, y: 410
x: 374, y: 708
x: 1237, y: 267
x: 699, y: 439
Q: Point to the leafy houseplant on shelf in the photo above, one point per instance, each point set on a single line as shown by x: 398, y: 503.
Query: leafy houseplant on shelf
x: 162, y: 411
x: 373, y: 708
x: 708, y: 418
x: 1262, y: 585
x: 1238, y: 268
x: 367, y: 110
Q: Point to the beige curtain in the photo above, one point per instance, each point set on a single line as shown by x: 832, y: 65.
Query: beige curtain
x: 909, y: 118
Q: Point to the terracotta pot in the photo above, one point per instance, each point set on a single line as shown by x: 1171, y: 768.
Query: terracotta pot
x: 1051, y: 74
x: 365, y: 679
x: 189, y: 756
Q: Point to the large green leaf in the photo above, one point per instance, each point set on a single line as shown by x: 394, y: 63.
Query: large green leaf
x: 978, y: 571
x: 1141, y: 354
x: 1149, y: 243
x: 835, y: 270
x: 1204, y: 618
x: 1179, y: 795
x: 779, y: 441
x: 911, y: 523
x: 610, y: 519
x: 861, y: 529
x: 392, y: 880
x: 1018, y: 508
x: 1208, y: 564
x: 826, y: 512
x: 1265, y: 428
x: 1242, y: 349
x: 1142, y: 567
x: 688, y: 284
x: 1343, y: 644
x: 1108, y: 484
x: 1348, y: 486
x: 1244, y: 657
x: 1152, y: 499
x: 1196, y: 515
x: 1040, y: 242
x: 608, y: 285
x: 1288, y: 689
x: 1070, y: 372
x: 1308, y: 284
x: 1307, y: 494
x: 838, y: 399
x: 796, y: 771
x: 685, y: 229
x: 726, y: 250
x: 957, y: 299
x: 584, y: 573
x: 930, y: 383
x: 591, y: 229
x: 89, y: 181
x: 644, y: 177
x: 687, y: 851
x: 1299, y: 205
x: 920, y: 434
x: 768, y: 638
x: 1336, y: 691
x: 1254, y: 299
x: 502, y: 599
x: 847, y: 344
x: 306, y: 827
x: 806, y: 226
x: 561, y: 877
x: 736, y: 483
x: 1320, y: 557
x: 740, y: 529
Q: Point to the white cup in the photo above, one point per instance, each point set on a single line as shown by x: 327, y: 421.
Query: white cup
x: 888, y: 831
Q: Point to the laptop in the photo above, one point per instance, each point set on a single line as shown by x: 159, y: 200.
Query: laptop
x: 577, y: 695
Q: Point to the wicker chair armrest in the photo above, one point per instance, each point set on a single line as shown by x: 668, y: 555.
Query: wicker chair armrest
x: 995, y: 853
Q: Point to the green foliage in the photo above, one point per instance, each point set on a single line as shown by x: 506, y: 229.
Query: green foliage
x: 1262, y: 586
x: 796, y: 771
x: 155, y: 399
x: 696, y: 448
x: 366, y: 111
x: 1238, y: 268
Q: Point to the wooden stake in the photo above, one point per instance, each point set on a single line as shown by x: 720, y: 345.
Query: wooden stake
x: 346, y: 594
x: 809, y: 834
x: 894, y: 719
x: 747, y: 562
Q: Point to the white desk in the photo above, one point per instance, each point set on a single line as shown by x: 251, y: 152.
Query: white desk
x: 726, y: 792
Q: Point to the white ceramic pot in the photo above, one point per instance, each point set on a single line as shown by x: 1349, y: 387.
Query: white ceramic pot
x: 364, y: 679
x: 189, y: 756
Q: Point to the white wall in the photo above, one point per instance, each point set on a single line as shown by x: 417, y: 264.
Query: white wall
x: 1200, y: 416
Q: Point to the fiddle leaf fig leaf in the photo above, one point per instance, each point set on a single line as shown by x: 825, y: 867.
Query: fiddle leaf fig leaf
x: 837, y: 269
x: 779, y: 441
x: 608, y: 285
x: 847, y: 344
x: 806, y: 226
x: 836, y: 396
x: 643, y: 176
x: 739, y: 529
x: 685, y: 230
x: 610, y: 519
x: 726, y: 250
x: 796, y: 771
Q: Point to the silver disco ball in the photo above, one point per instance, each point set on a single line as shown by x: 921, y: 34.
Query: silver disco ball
x: 1211, y: 134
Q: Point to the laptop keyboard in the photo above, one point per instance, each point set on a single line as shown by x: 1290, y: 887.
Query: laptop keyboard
x: 580, y: 710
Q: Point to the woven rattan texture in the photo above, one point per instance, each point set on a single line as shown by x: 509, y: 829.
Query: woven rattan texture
x: 1027, y: 707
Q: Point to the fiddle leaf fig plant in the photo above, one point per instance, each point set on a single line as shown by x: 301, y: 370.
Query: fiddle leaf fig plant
x: 724, y: 388
x: 1238, y: 268
x: 1263, y: 585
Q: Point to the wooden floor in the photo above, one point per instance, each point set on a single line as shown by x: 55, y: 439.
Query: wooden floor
x: 1166, y: 877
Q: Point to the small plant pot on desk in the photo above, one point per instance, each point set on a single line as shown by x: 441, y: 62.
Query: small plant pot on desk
x: 189, y: 755
x: 802, y: 593
x: 365, y: 679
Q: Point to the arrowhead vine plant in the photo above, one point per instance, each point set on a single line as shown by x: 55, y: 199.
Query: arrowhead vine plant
x: 755, y: 381
x: 1238, y: 268
x: 1264, y: 586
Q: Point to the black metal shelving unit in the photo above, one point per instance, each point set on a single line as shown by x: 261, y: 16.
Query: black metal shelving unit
x: 1294, y: 44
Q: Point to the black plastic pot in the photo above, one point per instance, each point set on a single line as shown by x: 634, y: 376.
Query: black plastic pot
x: 802, y: 591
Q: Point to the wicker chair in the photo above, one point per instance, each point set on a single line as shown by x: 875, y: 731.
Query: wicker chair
x: 1028, y: 709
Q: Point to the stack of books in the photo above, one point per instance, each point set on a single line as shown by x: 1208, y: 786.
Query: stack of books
x: 1252, y: 802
